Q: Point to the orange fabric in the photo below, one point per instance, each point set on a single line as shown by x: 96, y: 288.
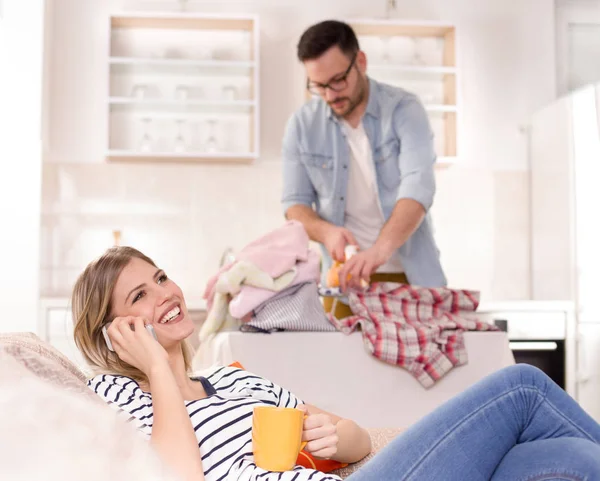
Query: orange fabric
x: 341, y: 310
x: 305, y: 459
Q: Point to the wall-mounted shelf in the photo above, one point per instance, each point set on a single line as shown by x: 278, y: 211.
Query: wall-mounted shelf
x: 170, y: 62
x: 188, y: 104
x: 440, y: 108
x: 183, y: 87
x: 224, y: 157
x: 184, y: 67
x: 424, y: 70
x: 421, y: 58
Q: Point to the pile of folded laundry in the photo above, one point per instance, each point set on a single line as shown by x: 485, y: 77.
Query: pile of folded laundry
x: 271, y: 285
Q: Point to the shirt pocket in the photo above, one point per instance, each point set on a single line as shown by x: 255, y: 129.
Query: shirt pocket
x: 320, y: 170
x: 387, y: 164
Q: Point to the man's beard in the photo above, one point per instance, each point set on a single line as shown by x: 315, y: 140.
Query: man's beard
x: 353, y: 102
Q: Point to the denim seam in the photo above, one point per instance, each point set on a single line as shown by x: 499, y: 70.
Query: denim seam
x: 559, y: 413
x: 552, y: 476
x: 474, y: 413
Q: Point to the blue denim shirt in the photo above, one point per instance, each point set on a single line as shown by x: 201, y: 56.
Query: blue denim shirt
x: 315, y: 168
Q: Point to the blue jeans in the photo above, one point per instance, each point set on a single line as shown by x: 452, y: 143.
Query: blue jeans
x: 514, y: 425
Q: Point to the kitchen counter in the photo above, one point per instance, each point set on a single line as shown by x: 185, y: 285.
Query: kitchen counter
x: 199, y: 304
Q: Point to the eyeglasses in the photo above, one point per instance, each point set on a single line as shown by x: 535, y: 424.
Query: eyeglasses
x: 337, y: 84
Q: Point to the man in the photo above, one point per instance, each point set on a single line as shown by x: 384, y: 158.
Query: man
x: 361, y: 154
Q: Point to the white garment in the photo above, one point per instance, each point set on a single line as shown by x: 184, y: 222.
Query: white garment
x: 363, y: 215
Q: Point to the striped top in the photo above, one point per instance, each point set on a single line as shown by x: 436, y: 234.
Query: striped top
x: 222, y: 421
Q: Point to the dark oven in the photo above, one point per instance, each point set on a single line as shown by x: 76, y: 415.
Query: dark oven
x: 546, y: 354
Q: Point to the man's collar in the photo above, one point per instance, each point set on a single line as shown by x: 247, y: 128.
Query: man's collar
x: 372, y: 109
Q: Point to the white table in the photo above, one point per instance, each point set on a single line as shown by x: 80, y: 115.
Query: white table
x: 335, y: 372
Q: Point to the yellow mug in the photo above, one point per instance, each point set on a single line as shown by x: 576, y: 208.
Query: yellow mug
x: 277, y: 437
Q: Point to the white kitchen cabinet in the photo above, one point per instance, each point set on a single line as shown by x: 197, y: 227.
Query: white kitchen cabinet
x: 588, y: 376
x: 56, y: 328
x: 183, y: 87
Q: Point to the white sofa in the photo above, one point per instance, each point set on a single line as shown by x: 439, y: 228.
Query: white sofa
x: 334, y: 372
x: 53, y: 427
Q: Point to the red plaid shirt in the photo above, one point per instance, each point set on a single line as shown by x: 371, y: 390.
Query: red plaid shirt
x: 420, y: 329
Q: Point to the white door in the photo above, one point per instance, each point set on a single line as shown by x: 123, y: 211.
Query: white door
x: 578, y: 44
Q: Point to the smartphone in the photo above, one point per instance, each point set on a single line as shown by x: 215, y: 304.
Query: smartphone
x: 149, y: 328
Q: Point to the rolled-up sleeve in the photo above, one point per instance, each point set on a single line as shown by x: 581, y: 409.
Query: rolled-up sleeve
x: 297, y: 186
x: 417, y: 155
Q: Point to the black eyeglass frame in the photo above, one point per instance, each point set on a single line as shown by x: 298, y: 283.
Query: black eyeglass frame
x: 319, y: 89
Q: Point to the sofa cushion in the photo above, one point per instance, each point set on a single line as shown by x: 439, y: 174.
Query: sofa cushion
x: 31, y: 342
x: 379, y: 438
x: 50, y: 433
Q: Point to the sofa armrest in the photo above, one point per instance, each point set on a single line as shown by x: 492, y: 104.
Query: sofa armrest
x: 27, y: 341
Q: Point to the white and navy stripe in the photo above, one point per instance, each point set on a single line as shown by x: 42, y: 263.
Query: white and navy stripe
x: 222, y: 421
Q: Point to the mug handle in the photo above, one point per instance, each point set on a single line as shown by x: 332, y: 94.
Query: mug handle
x: 303, y: 443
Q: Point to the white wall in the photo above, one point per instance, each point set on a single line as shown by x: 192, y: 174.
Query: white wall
x: 506, y: 61
x: 507, y: 71
x: 21, y: 64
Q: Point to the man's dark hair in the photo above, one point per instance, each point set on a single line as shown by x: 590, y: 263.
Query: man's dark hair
x: 319, y: 38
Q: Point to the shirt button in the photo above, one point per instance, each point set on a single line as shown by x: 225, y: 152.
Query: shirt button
x: 324, y: 166
x: 345, y: 166
x: 341, y: 198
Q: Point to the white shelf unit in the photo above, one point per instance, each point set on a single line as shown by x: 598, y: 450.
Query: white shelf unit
x: 178, y: 62
x: 174, y: 103
x: 421, y: 58
x: 183, y: 87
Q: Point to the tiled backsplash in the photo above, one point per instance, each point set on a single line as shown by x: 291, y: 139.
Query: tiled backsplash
x: 184, y: 216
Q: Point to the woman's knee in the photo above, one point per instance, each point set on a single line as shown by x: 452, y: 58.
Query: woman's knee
x: 527, y: 375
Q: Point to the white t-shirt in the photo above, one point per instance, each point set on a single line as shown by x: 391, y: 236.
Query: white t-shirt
x: 363, y: 215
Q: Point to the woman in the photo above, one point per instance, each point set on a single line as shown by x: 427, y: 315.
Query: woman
x: 514, y: 425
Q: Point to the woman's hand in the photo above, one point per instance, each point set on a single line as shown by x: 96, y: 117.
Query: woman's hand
x: 320, y: 433
x: 137, y: 346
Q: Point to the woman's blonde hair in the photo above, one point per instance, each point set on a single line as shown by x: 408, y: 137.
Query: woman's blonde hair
x: 92, y: 309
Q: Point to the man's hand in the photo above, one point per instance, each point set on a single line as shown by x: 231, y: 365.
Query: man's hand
x: 361, y: 266
x: 335, y: 241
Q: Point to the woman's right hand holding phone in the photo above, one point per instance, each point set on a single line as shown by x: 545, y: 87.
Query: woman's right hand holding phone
x: 136, y: 346
x: 173, y: 435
